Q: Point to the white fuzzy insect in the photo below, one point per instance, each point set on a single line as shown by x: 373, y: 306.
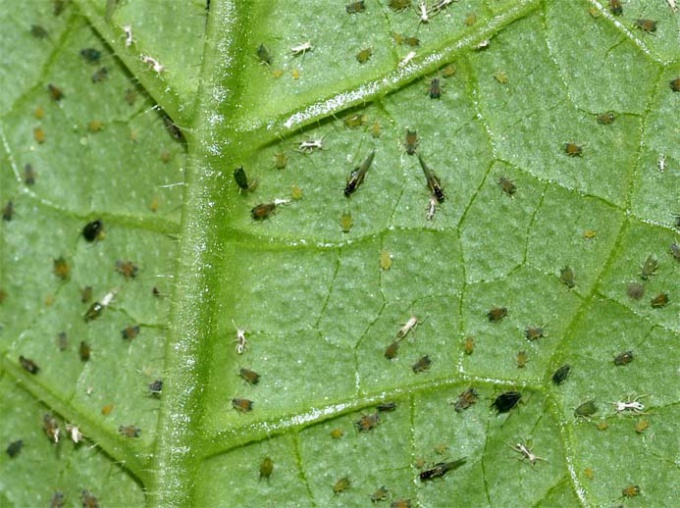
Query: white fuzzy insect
x: 241, y: 342
x: 673, y: 5
x: 278, y: 202
x: 526, y: 453
x: 129, y: 41
x: 662, y: 163
x: 74, y: 433
x: 407, y: 59
x: 310, y: 145
x: 408, y: 326
x: 440, y: 5
x: 424, y: 16
x: 431, y: 207
x: 632, y: 406
x: 155, y: 64
x: 301, y: 49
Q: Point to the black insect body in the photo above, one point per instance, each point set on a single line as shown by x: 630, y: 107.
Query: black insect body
x: 441, y: 469
x: 675, y: 85
x: 387, y: 407
x: 358, y: 174
x: 616, y: 7
x: 496, y: 314
x: 623, y: 358
x: 507, y: 185
x: 8, y: 211
x: 14, y: 448
x: 435, y: 89
x: 422, y: 364
x: 173, y: 129
x: 156, y: 388
x: 93, y: 230
x: 586, y: 410
x: 90, y: 55
x: 432, y: 181
x: 29, y: 365
x: 84, y: 351
x: 263, y: 55
x: 506, y: 401
x: 561, y: 374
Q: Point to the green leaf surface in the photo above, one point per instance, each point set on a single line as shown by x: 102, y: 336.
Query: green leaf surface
x: 315, y: 299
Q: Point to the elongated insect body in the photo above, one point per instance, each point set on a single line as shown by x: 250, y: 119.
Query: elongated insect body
x: 432, y: 181
x: 357, y: 176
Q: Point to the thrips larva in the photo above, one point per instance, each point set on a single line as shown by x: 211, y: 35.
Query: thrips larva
x: 496, y: 314
x: 296, y: 193
x: 84, y: 350
x: 346, y: 222
x: 241, y: 342
x: 606, y: 118
x: 375, y: 129
x: 506, y: 401
x: 631, y: 491
x: 586, y: 410
x: 97, y: 308
x: 441, y: 469
x: 263, y: 55
x: 635, y: 290
x: 249, y: 376
x: 646, y: 25
x: 302, y: 48
x: 616, y: 7
x: 385, y: 260
x: 241, y: 179
x: 51, y: 428
x: 469, y: 345
x: 130, y: 332
x: 623, y: 358
x: 341, y: 485
x: 568, y: 277
x: 364, y: 55
x: 127, y: 269
x: 522, y: 359
x: 432, y: 181
x: 507, y: 185
x: 466, y: 399
x: 561, y: 374
x: 337, y: 433
x: 649, y: 267
x: 355, y: 7
x: 534, y: 333
x: 55, y: 92
x: 675, y: 84
x: 129, y: 431
x: 573, y: 150
x: 526, y: 453
x: 411, y: 143
x: 368, y: 422
x: 266, y: 468
x: 392, y: 350
x: 90, y: 55
x: 379, y: 495
x: 29, y: 365
x: 14, y: 448
x: 408, y: 326
x: 470, y: 19
x: 422, y: 364
x: 280, y: 160
x: 61, y: 268
x: 357, y: 175
x: 242, y: 405
x: 8, y: 211
x: 93, y: 230
x: 435, y: 91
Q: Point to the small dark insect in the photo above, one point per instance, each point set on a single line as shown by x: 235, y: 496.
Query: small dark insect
x: 57, y: 500
x: 469, y: 345
x: 379, y: 495
x: 616, y: 7
x: 367, y: 422
x: 534, y: 333
x: 496, y: 314
x: 646, y: 25
x: 241, y: 178
x: 392, y: 350
x: 38, y: 32
x: 129, y: 431
x: 433, y: 182
x: 100, y: 75
x: 266, y: 468
x: 561, y: 374
x: 173, y: 129
x: 573, y: 150
x: 586, y: 409
x: 606, y: 118
x: 249, y: 376
x: 51, y: 428
x: 568, y: 277
x: 263, y: 211
x: 29, y: 175
x: 90, y: 55
x: 29, y: 365
x: 355, y: 7
x: 155, y: 292
x: 242, y: 405
x: 364, y: 55
x: 8, y: 211
x: 399, y: 5
x: 411, y: 143
x: 435, y: 89
x: 466, y: 399
x: 61, y: 268
x: 93, y: 230
x: 675, y: 250
x: 441, y: 469
x: 635, y: 290
x: 659, y: 301
x: 94, y: 312
x: 127, y: 269
x: 508, y: 186
x: 675, y: 85
x: 55, y: 92
x: 357, y: 175
x: 62, y: 341
x: 156, y: 388
x: 422, y: 364
x: 88, y: 499
x: 341, y: 485
x: 649, y: 268
x: 631, y: 491
x: 401, y: 503
x: 14, y: 448
x: 84, y: 351
x: 522, y: 359
x: 263, y: 55
x: 623, y: 358
x: 386, y: 407
x: 130, y: 332
x: 506, y: 401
